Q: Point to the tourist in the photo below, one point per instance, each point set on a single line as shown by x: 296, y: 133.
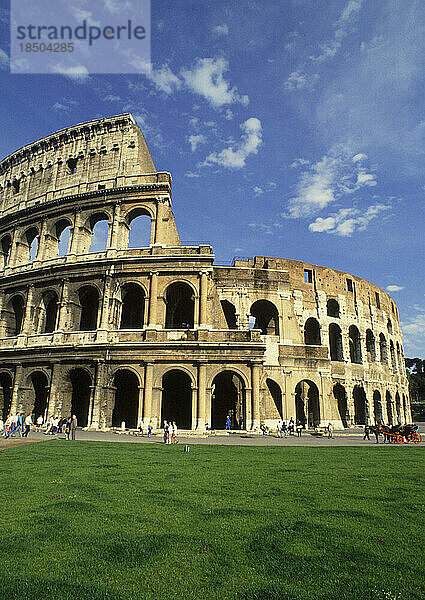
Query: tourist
x: 28, y: 423
x: 39, y: 423
x: 299, y: 429
x: 68, y: 427
x: 279, y: 429
x: 170, y: 432
x: 377, y: 432
x: 165, y: 432
x: 291, y: 426
x: 20, y: 424
x: 284, y: 429
x: 174, y: 433
x: 228, y: 423
x: 74, y: 425
x: 366, y: 432
x: 330, y: 432
x: 150, y: 429
x: 1, y: 426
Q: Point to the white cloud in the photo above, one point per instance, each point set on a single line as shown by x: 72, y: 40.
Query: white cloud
x: 192, y: 175
x: 257, y: 190
x: 347, y: 220
x: 4, y: 60
x: 112, y: 98
x: 394, y: 288
x: 364, y: 178
x: 162, y: 77
x: 117, y: 7
x: 149, y: 129
x: 196, y: 140
x: 235, y: 157
x: 77, y: 74
x: 413, y: 329
x: 228, y: 114
x: 221, y: 29
x: 298, y: 80
x: 299, y: 162
x: 359, y: 157
x: 64, y: 105
x: 206, y: 78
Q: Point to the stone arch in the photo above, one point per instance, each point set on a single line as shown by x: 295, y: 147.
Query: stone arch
x: 377, y: 407
x: 398, y: 408
x: 370, y: 346
x: 266, y: 317
x: 13, y: 315
x: 6, y: 388
x: 383, y: 351
x: 360, y: 405
x: 180, y: 306
x: 389, y: 406
x: 29, y: 244
x: 228, y: 399
x: 81, y: 384
x: 61, y: 236
x: 176, y: 405
x: 91, y: 240
x: 139, y: 222
x: 88, y: 296
x: 126, y: 405
x: 276, y: 394
x: 332, y: 308
x: 312, y: 332
x: 48, y: 312
x: 335, y: 342
x: 5, y: 248
x: 340, y: 396
x: 355, y: 344
x: 229, y: 311
x: 389, y: 326
x: 133, y: 306
x: 38, y: 382
x: 307, y: 403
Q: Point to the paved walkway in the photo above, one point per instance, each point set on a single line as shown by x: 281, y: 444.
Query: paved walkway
x: 349, y: 437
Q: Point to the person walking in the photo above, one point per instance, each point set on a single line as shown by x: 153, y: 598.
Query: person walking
x: 284, y: 429
x: 170, y: 432
x: 174, y: 440
x: 68, y: 427
x: 165, y: 432
x: 299, y: 429
x: 366, y: 432
x: 291, y: 425
x: 150, y: 429
x: 74, y: 425
x: 330, y: 431
x: 28, y: 424
x: 228, y: 423
x: 376, y: 431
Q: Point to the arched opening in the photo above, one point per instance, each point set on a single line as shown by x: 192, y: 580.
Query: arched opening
x: 140, y: 225
x: 50, y: 305
x: 229, y: 314
x: 228, y: 399
x: 266, y: 317
x: 332, y: 308
x: 307, y: 407
x: 177, y: 399
x: 312, y: 332
x: 62, y: 232
x: 89, y: 301
x: 80, y: 400
x: 389, y: 326
x: 6, y: 394
x: 41, y: 392
x: 126, y: 399
x: 383, y: 354
x: 14, y: 316
x: 71, y: 163
x: 370, y: 346
x: 355, y: 344
x: 180, y: 302
x: 360, y: 404
x: 389, y: 405
x: 276, y: 394
x: 99, y: 226
x: 392, y: 354
x: 335, y: 342
x: 398, y: 408
x: 32, y: 238
x: 133, y: 306
x: 377, y: 407
x: 341, y: 398
x: 6, y: 246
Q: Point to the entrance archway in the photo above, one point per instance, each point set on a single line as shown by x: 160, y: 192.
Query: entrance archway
x: 341, y: 398
x: 266, y: 317
x: 6, y: 394
x: 180, y: 303
x: 80, y: 399
x: 360, y: 402
x: 126, y: 404
x: 41, y: 390
x: 133, y: 306
x: 307, y: 407
x: 228, y: 399
x: 177, y: 399
x: 377, y: 407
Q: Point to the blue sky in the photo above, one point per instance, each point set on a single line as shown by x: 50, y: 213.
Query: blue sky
x: 291, y: 128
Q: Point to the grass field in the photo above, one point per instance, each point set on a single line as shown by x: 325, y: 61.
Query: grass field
x: 133, y: 521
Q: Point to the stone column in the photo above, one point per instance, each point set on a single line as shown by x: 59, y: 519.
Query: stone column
x: 104, y: 318
x: 62, y: 312
x: 26, y: 329
x: 75, y: 234
x: 17, y: 382
x: 97, y: 396
x: 201, y: 415
x: 54, y: 400
x: 255, y: 383
x: 113, y: 241
x: 42, y: 245
x: 147, y: 395
x: 194, y: 410
x: 153, y: 300
x: 140, y: 405
x: 203, y: 295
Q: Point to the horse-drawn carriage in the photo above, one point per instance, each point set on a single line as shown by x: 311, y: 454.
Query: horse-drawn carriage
x: 401, y: 434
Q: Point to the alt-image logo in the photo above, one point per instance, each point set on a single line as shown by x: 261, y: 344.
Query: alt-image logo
x: 100, y: 36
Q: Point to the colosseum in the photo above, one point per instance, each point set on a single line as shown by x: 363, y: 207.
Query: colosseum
x: 140, y: 332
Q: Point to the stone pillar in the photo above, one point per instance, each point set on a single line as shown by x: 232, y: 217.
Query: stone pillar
x: 17, y: 382
x: 62, y: 312
x: 194, y: 410
x: 203, y: 295
x: 140, y: 405
x: 153, y: 300
x: 104, y: 317
x: 26, y: 329
x: 201, y: 413
x: 55, y: 397
x: 97, y: 396
x: 113, y: 241
x: 255, y: 383
x: 75, y: 234
x: 42, y: 242
x: 147, y: 395
x: 2, y: 325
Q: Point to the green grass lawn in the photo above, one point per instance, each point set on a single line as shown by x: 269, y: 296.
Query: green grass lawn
x: 132, y: 521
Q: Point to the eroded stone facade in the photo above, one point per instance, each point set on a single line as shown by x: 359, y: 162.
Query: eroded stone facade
x: 142, y: 334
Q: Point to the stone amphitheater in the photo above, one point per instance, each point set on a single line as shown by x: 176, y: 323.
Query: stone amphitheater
x: 125, y: 333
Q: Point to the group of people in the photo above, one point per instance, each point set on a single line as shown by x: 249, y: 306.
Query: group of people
x: 170, y: 432
x: 17, y: 425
